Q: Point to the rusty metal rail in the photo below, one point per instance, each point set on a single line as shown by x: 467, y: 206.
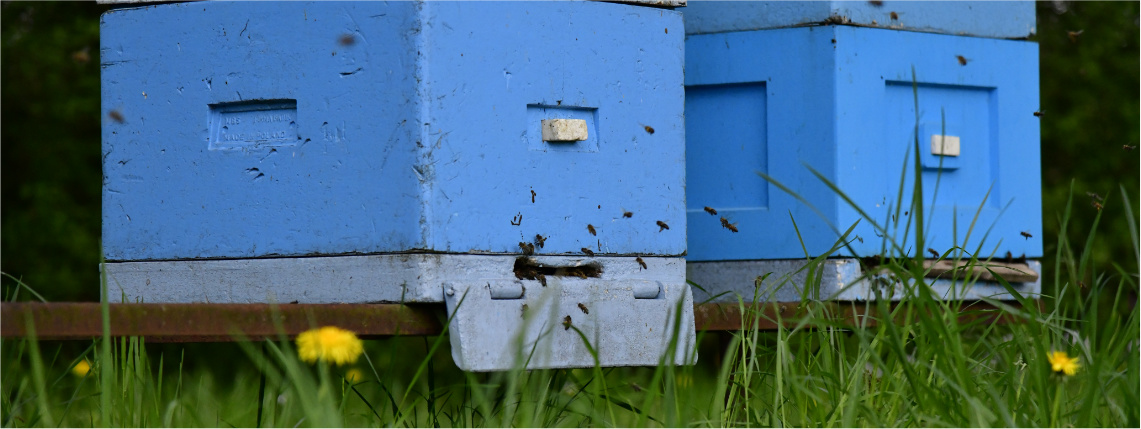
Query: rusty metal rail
x: 214, y: 322
x: 228, y: 322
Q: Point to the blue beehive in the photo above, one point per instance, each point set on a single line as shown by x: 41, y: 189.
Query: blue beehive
x: 840, y: 99
x: 368, y: 152
x: 317, y: 129
x: 998, y: 19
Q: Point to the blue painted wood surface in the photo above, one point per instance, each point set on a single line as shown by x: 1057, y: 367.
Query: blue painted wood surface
x: 840, y: 99
x: 999, y: 19
x: 277, y: 129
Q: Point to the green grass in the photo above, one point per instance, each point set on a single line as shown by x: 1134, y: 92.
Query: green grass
x: 927, y: 369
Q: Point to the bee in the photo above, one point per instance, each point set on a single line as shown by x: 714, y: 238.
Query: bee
x: 641, y: 262
x: 933, y: 252
x: 566, y: 323
x: 117, y: 116
x: 1128, y: 147
x: 347, y: 40
x: 662, y: 226
x: 894, y: 16
x: 590, y: 228
x: 710, y: 210
x: 667, y: 31
x: 1094, y: 196
x: 587, y: 251
x: 1073, y: 35
x: 1026, y: 234
x: 876, y: 3
x: 532, y: 196
x: 81, y: 56
x: 540, y: 240
x: 730, y: 226
x: 1096, y: 205
x: 648, y: 129
x: 541, y: 278
x: 627, y: 214
x: 528, y: 248
x: 1039, y: 113
x: 582, y: 307
x: 962, y: 60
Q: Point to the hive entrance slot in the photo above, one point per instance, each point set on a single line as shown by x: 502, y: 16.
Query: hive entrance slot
x: 529, y: 269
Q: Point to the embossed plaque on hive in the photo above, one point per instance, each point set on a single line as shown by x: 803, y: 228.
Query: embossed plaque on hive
x: 253, y: 124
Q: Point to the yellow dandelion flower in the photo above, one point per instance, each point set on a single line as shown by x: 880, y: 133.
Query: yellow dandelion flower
x: 1061, y: 362
x: 354, y: 375
x: 329, y: 343
x: 81, y: 368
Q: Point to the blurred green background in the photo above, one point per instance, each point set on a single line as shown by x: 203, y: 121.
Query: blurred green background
x: 50, y: 169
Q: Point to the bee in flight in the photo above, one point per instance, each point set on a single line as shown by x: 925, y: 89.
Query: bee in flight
x: 590, y: 228
x: 582, y: 307
x: 641, y: 262
x: 730, y: 226
x: 1073, y: 35
x: 662, y: 226
x: 587, y: 251
x: 710, y: 210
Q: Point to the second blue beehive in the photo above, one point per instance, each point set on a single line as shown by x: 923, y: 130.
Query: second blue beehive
x: 844, y: 101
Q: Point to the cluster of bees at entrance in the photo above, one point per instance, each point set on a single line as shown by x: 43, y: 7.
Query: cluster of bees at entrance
x: 528, y: 248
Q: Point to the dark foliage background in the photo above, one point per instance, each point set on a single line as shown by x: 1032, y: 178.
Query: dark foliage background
x: 50, y: 161
x: 50, y: 174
